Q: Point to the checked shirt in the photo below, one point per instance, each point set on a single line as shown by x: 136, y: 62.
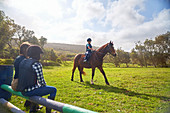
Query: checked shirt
x: 37, y: 67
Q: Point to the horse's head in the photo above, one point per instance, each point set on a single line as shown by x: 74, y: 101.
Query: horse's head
x: 111, y: 49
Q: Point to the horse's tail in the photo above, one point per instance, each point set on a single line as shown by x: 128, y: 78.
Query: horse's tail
x: 84, y: 73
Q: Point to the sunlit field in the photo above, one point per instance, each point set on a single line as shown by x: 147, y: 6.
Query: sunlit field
x: 135, y: 90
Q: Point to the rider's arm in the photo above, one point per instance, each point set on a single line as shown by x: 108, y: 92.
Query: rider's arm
x: 90, y: 48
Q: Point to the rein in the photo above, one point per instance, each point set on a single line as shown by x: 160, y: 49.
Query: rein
x: 101, y: 53
x: 103, y: 48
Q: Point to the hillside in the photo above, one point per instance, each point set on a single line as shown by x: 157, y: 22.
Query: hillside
x: 67, y: 47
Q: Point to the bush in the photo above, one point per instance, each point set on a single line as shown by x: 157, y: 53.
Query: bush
x: 6, y: 61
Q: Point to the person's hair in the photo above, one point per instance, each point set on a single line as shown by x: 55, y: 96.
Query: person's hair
x: 23, y: 48
x: 34, y: 52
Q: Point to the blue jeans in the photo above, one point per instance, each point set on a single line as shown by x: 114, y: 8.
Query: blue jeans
x: 88, y: 54
x: 42, y: 91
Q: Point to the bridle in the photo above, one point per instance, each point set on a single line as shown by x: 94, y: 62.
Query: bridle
x: 101, y: 53
x: 108, y: 47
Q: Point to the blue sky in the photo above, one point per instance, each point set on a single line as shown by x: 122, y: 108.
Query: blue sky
x: 72, y: 21
x: 153, y: 7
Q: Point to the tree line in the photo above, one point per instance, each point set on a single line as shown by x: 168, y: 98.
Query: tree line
x: 149, y: 53
x: 13, y: 35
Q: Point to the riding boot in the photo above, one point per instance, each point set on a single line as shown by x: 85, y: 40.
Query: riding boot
x: 85, y: 59
x: 33, y: 107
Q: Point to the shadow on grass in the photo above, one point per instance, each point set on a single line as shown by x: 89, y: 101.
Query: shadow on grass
x: 125, y: 91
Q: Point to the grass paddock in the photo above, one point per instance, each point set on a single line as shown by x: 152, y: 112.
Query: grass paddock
x: 135, y: 90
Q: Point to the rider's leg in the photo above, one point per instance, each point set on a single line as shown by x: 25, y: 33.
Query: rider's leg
x: 86, y: 57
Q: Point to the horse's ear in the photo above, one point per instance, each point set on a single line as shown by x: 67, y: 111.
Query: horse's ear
x: 111, y: 42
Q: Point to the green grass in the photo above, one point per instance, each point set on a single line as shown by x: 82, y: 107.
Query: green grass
x: 131, y: 90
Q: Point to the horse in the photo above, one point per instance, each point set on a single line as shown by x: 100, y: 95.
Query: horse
x: 95, y: 60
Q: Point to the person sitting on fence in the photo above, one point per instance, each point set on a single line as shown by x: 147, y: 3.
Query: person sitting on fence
x: 31, y: 80
x: 17, y: 61
x: 88, y: 50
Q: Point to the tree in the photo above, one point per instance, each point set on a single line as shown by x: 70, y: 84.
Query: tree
x: 53, y: 56
x: 134, y: 56
x: 6, y: 30
x: 64, y: 59
x: 142, y: 56
x: 150, y: 50
x: 126, y: 58
x: 154, y: 52
x: 123, y: 57
x: 43, y: 41
x: 30, y: 37
x: 19, y: 34
x: 162, y: 54
x: 116, y: 60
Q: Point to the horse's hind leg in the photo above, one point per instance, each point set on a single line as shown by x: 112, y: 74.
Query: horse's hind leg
x: 73, y: 70
x: 80, y: 70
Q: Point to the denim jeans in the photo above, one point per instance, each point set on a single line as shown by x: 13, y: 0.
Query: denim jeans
x: 88, y: 54
x: 42, y: 91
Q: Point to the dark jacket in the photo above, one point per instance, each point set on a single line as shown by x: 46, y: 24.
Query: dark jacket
x: 27, y: 76
x: 16, y: 65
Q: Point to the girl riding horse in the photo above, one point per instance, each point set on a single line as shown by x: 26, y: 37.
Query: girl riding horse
x: 96, y: 60
x: 89, y: 50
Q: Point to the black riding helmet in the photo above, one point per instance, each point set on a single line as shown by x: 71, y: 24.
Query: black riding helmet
x: 34, y: 52
x: 89, y: 39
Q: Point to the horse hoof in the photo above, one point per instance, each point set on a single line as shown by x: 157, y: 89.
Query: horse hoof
x: 71, y: 79
x: 92, y: 83
x: 82, y: 81
x: 107, y: 83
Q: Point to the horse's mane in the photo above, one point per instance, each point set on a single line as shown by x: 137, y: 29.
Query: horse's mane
x: 102, y: 47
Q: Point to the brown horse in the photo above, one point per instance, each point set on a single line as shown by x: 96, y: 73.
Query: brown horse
x: 96, y: 60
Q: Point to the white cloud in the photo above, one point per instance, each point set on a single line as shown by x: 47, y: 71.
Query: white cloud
x: 127, y: 36
x: 88, y: 9
x: 37, y: 7
x: 123, y: 13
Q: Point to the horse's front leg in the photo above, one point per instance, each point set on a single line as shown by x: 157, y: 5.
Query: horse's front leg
x: 102, y: 71
x: 93, y: 71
